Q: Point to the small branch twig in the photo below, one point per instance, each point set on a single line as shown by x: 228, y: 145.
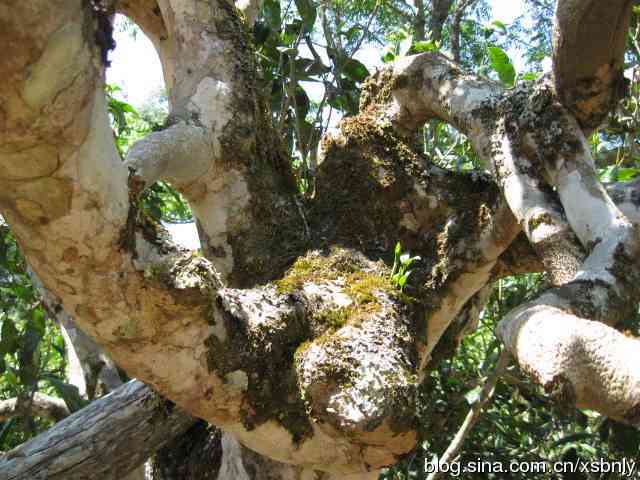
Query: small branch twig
x: 474, y: 413
x: 366, y: 30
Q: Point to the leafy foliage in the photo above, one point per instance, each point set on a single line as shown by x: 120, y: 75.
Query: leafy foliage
x: 32, y: 353
x: 401, y: 263
x: 502, y: 64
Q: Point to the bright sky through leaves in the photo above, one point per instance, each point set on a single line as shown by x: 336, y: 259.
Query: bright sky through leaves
x: 135, y: 66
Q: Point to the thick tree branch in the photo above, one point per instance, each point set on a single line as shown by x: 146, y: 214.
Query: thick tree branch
x: 605, y: 288
x: 588, y: 56
x: 106, y: 440
x: 579, y: 362
x: 429, y: 85
x: 153, y: 157
x: 536, y: 207
x: 536, y: 143
x: 318, y: 365
x: 147, y: 15
x: 456, y: 20
x: 421, y: 87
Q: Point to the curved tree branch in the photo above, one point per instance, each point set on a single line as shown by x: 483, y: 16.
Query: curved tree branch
x: 589, y: 41
x: 535, y: 143
x: 430, y: 85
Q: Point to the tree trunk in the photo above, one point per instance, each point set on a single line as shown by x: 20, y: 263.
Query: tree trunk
x: 439, y: 14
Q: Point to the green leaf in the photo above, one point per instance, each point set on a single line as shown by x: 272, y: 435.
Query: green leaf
x: 539, y: 56
x: 531, y: 76
x: 499, y: 26
x: 355, y: 70
x: 502, y: 64
x: 38, y: 320
x: 405, y: 43
x: 422, y: 47
x: 11, y: 377
x: 472, y: 396
x: 307, y: 10
x: 291, y: 32
x: 353, y: 33
x: 271, y: 14
x: 608, y: 174
x: 9, y: 337
x: 388, y: 56
x: 69, y: 393
x: 396, y: 260
x: 626, y: 174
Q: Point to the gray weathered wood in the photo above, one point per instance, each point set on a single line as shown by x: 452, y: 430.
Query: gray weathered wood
x: 106, y: 440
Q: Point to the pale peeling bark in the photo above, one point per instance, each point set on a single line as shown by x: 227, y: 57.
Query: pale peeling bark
x: 474, y: 105
x: 64, y: 192
x: 580, y: 361
x: 568, y: 360
x: 533, y: 144
x: 589, y: 41
x: 89, y: 367
x: 515, y: 156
